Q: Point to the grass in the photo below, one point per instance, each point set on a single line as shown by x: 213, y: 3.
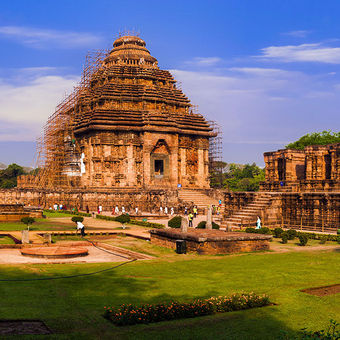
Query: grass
x: 73, y: 307
x: 39, y: 224
x: 6, y: 240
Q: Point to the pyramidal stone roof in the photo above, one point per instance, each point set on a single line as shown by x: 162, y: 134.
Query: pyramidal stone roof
x: 130, y: 92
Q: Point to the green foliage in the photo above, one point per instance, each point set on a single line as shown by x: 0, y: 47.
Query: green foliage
x: 8, y: 177
x: 203, y: 224
x: 28, y: 220
x: 250, y: 230
x: 316, y: 138
x: 284, y: 237
x: 148, y: 313
x: 292, y: 234
x: 66, y: 212
x: 123, y: 218
x: 323, y: 239
x: 141, y: 223
x: 277, y: 232
x: 76, y: 219
x: 175, y: 222
x: 303, y: 238
x: 244, y: 178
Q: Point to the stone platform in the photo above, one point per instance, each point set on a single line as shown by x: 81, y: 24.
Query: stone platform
x: 211, y: 241
x: 55, y: 252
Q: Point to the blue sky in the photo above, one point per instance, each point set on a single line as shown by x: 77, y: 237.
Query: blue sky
x: 267, y: 71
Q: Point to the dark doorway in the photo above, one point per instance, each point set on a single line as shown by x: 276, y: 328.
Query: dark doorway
x: 282, y: 169
x: 328, y: 166
x: 159, y: 168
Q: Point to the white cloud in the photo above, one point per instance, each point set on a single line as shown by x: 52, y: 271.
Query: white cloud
x: 25, y: 108
x: 264, y: 107
x: 302, y: 53
x: 46, y: 38
x: 204, y: 61
x: 298, y: 34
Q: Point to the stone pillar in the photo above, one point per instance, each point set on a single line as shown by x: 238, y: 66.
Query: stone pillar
x: 146, y: 164
x: 183, y: 164
x: 184, y: 225
x: 173, y: 166
x: 200, y: 166
x: 25, y: 237
x: 131, y: 169
x: 209, y: 218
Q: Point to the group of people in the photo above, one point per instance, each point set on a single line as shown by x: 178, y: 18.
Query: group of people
x: 191, y: 214
x: 166, y: 210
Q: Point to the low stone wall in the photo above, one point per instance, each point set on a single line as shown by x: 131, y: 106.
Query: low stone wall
x: 211, y: 242
x: 147, y: 200
x: 317, y: 211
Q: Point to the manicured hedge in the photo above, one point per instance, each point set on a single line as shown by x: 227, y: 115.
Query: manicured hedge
x: 68, y: 212
x: 175, y: 222
x: 203, y: 224
x: 135, y: 222
x: 131, y: 314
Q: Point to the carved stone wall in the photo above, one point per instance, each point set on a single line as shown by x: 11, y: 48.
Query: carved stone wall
x: 316, y: 168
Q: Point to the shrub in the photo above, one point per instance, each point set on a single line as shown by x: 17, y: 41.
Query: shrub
x: 323, y: 239
x: 130, y: 314
x: 250, y: 230
x: 338, y: 231
x: 202, y: 225
x: 175, y: 222
x: 123, y: 218
x: 147, y: 224
x: 277, y: 232
x: 338, y: 239
x: 303, y: 239
x: 27, y: 220
x: 263, y: 230
x: 76, y: 219
x: 284, y: 237
x: 291, y: 234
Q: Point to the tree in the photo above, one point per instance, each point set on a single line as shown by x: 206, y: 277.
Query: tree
x: 316, y: 138
x: 76, y: 219
x: 28, y: 220
x: 8, y: 177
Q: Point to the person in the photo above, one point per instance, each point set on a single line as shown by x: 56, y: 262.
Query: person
x: 55, y: 206
x: 185, y: 210
x: 87, y: 209
x: 258, y: 223
x: 123, y: 210
x: 60, y: 207
x: 195, y: 211
x: 218, y: 210
x: 81, y: 227
x: 136, y: 210
x: 172, y: 211
x: 116, y: 210
x: 190, y: 218
x: 219, y: 202
x: 166, y: 210
x: 100, y: 209
x: 161, y: 210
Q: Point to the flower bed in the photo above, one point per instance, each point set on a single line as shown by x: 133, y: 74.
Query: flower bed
x: 130, y: 314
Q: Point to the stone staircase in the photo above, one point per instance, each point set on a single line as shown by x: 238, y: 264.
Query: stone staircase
x: 197, y: 198
x: 247, y: 215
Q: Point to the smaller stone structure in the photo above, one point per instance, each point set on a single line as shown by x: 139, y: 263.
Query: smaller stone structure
x: 211, y: 241
x: 316, y: 168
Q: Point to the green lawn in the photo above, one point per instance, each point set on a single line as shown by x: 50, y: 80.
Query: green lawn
x: 73, y: 307
x: 6, y: 240
x: 39, y: 224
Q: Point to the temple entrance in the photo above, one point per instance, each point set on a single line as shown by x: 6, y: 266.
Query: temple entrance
x: 281, y: 169
x: 328, y: 166
x: 159, y: 168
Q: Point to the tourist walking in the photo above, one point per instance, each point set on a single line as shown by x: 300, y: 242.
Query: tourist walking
x: 195, y: 211
x: 185, y: 210
x: 123, y: 210
x: 190, y: 218
x: 172, y: 211
x: 166, y: 210
x: 161, y: 210
x: 116, y: 210
x: 136, y: 210
x: 87, y: 209
x: 258, y: 223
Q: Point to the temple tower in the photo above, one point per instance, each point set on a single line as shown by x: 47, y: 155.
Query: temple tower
x: 135, y: 128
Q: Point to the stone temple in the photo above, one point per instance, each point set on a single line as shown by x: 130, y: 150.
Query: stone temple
x: 132, y: 127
